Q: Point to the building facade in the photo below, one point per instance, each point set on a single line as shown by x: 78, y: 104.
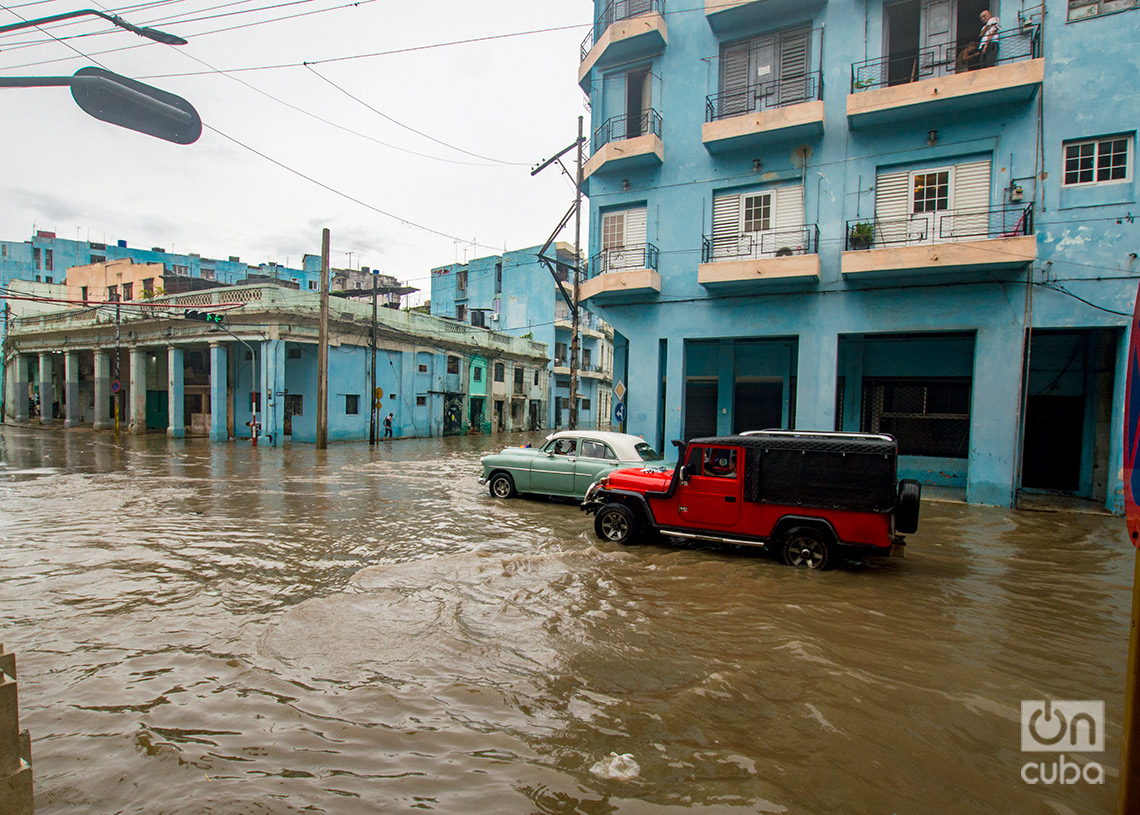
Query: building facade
x: 514, y: 293
x: 875, y: 216
x: 252, y: 371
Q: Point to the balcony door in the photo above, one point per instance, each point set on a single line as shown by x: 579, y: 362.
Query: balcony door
x: 638, y: 100
x: 920, y: 38
x: 624, y: 240
x: 933, y: 205
x: 759, y: 224
x: 764, y: 72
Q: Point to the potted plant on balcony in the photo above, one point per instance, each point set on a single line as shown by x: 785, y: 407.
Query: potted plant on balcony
x: 861, y: 235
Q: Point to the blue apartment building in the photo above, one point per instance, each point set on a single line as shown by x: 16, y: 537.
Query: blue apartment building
x: 515, y: 294
x: 873, y: 216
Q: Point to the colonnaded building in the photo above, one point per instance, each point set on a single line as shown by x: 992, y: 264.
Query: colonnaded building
x: 873, y: 216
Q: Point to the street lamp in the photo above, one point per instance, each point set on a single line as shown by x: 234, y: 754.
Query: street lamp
x: 117, y: 99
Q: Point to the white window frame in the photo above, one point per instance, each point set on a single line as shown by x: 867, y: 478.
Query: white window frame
x: 1097, y: 143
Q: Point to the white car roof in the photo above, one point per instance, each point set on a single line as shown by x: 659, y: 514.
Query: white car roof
x: 623, y: 443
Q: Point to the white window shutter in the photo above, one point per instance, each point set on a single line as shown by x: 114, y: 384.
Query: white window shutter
x: 726, y: 225
x: 635, y: 227
x: 892, y: 196
x: 789, y: 207
x: 972, y: 186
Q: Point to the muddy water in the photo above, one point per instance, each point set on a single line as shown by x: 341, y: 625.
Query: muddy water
x: 224, y: 630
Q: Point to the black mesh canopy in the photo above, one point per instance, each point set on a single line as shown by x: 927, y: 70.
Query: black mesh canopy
x: 835, y: 472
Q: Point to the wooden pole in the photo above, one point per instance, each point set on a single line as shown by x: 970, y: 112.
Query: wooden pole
x: 575, y: 339
x: 323, y: 350
x: 372, y: 374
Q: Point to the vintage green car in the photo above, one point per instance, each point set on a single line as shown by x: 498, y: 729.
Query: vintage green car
x: 566, y: 465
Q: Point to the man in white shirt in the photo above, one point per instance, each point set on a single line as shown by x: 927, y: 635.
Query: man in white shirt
x: 988, y: 39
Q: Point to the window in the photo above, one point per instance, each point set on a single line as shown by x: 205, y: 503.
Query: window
x: 148, y: 287
x: 48, y: 279
x: 498, y: 277
x: 1082, y: 9
x: 423, y: 368
x: 208, y: 274
x: 759, y: 224
x: 938, y: 205
x: 500, y: 372
x: 764, y: 72
x: 47, y: 260
x: 98, y: 259
x: 585, y: 404
x: 421, y: 401
x: 586, y: 358
x: 112, y: 292
x: 128, y: 291
x: 536, y: 376
x: 312, y: 285
x: 83, y: 290
x: 479, y: 318
x: 561, y: 447
x: 559, y: 353
x: 624, y: 240
x: 453, y: 365
x: 929, y: 417
x: 596, y: 449
x: 713, y: 462
x: 477, y: 374
x: 351, y: 404
x: 461, y: 312
x: 461, y: 280
x: 1100, y: 161
x: 36, y: 256
x: 3, y: 250
x: 931, y: 192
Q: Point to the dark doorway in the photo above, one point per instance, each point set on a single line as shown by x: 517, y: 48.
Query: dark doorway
x: 1053, y: 431
x: 452, y: 414
x: 700, y: 409
x: 903, y: 23
x: 636, y: 102
x: 476, y: 414
x: 757, y: 406
x: 294, y: 406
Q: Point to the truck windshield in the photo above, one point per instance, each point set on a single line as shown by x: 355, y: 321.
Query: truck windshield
x: 646, y: 452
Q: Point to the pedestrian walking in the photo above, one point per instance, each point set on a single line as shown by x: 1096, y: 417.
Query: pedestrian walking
x: 388, y: 426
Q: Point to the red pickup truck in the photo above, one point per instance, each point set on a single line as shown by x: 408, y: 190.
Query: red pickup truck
x: 810, y: 496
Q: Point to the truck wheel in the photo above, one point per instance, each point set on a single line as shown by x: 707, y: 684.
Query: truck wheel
x: 906, y: 508
x: 808, y: 548
x: 502, y: 486
x: 616, y: 523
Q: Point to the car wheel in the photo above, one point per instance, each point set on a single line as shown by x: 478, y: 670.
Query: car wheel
x: 616, y: 523
x: 808, y: 548
x: 502, y: 486
x: 906, y: 509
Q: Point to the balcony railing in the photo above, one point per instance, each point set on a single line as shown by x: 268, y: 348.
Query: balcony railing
x: 764, y: 96
x: 616, y: 11
x: 775, y: 243
x: 941, y: 227
x: 943, y: 60
x: 627, y: 127
x: 624, y: 259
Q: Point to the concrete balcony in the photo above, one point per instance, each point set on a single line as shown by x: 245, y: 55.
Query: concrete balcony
x: 760, y: 259
x: 732, y: 16
x: 626, y: 30
x: 758, y: 127
x: 997, y: 240
x: 622, y: 273
x: 936, y: 82
x: 623, y: 143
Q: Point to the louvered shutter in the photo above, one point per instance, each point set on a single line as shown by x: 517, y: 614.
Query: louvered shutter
x: 971, y: 196
x: 726, y: 226
x: 734, y: 94
x: 892, y: 205
x: 793, y: 85
x: 788, y: 223
x: 635, y: 239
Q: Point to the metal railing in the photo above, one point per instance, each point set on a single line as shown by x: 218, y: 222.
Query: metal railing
x: 764, y: 96
x: 945, y: 60
x: 624, y: 259
x: 626, y: 127
x: 616, y: 11
x: 941, y: 227
x: 775, y: 243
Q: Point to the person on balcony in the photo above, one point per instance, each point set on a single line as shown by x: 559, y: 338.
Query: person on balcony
x: 988, y: 39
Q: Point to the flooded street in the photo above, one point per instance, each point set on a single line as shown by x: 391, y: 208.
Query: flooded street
x: 213, y: 629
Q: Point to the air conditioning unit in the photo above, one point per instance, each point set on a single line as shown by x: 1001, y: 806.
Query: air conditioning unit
x: 494, y: 318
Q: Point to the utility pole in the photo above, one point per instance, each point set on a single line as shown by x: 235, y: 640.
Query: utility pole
x: 117, y: 354
x: 552, y: 264
x: 575, y: 341
x: 323, y: 350
x: 372, y: 375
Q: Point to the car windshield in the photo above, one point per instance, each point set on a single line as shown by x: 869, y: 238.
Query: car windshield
x: 647, y: 453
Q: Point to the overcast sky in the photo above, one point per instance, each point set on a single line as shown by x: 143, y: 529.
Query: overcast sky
x: 508, y: 99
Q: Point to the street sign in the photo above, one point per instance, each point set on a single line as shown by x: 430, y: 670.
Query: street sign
x: 619, y: 391
x: 378, y: 393
x: 116, y: 387
x: 619, y: 412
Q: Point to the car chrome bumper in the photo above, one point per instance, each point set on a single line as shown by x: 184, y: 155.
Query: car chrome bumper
x: 482, y: 479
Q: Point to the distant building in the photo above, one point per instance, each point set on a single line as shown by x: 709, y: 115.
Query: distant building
x: 841, y: 216
x: 516, y: 294
x: 256, y: 374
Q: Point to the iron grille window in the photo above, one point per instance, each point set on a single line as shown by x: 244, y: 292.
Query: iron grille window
x: 929, y: 417
x: 421, y: 401
x: 500, y: 372
x: 351, y: 404
x: 1096, y: 161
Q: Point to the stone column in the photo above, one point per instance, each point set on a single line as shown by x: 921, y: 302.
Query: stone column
x: 273, y: 383
x: 102, y: 390
x: 47, y: 392
x: 815, y: 380
x: 995, y: 399
x: 71, y: 389
x: 137, y: 426
x: 175, y: 393
x: 19, y: 392
x: 219, y: 399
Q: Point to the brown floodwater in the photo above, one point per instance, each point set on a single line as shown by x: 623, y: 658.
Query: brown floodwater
x: 220, y: 629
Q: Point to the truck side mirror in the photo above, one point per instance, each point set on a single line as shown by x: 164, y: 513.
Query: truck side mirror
x: 684, y: 474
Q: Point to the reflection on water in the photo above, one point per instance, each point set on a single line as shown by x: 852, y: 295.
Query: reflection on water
x: 207, y: 629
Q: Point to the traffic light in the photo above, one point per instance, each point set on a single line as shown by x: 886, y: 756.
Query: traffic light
x: 203, y: 316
